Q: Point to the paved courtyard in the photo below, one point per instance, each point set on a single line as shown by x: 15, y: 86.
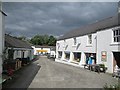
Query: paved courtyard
x: 57, y: 75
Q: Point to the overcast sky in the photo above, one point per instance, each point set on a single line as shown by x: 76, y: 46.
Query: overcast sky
x: 31, y: 18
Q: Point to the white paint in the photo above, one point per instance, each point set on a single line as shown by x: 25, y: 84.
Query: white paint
x: 51, y: 52
x: 83, y: 48
x: 101, y: 41
x: 27, y: 53
x: 1, y: 39
x: 105, y: 43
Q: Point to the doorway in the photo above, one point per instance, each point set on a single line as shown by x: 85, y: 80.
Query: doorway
x: 116, y: 60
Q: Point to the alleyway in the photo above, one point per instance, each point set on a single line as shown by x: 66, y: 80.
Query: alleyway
x: 57, y: 75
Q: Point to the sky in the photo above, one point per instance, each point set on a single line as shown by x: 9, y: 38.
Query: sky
x: 53, y: 18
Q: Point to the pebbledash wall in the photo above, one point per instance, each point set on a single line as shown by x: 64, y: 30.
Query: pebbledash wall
x: 105, y: 42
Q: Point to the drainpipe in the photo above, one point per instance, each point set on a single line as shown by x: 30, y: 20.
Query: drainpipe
x: 96, y: 47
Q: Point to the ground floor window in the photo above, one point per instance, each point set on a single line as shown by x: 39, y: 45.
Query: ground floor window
x: 90, y: 58
x: 67, y: 55
x: 59, y: 54
x: 77, y: 56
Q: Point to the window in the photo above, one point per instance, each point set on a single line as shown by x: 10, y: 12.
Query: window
x: 75, y: 41
x: 77, y: 56
x: 58, y: 45
x: 116, y: 35
x: 67, y: 55
x: 90, y: 39
x: 59, y: 54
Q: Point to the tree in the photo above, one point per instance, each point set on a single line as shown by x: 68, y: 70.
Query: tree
x: 36, y: 40
x: 43, y: 40
x: 52, y: 41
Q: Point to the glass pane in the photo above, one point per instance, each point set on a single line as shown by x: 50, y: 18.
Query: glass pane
x: 114, y: 33
x: 117, y: 32
x: 116, y: 39
x: 119, y: 39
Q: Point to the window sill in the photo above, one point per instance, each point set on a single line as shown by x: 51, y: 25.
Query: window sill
x: 74, y: 45
x: 115, y: 43
x: 75, y: 62
x: 66, y: 60
x: 89, y: 45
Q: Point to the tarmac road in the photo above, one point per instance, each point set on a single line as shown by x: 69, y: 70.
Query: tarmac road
x: 23, y: 77
x: 56, y: 75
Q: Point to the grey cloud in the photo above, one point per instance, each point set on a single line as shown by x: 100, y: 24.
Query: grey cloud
x: 54, y: 18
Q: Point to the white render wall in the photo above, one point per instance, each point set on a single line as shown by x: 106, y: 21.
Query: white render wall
x: 27, y: 53
x: 105, y: 43
x: 101, y: 41
x: 1, y: 39
x: 83, y: 48
x: 35, y: 50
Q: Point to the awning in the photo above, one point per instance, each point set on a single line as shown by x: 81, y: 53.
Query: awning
x: 41, y: 50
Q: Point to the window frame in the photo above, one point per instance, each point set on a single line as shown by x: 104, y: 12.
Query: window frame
x: 116, y: 35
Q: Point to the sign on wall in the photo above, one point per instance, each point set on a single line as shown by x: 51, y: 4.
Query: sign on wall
x: 104, y: 56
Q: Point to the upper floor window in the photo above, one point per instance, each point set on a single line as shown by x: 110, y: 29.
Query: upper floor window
x: 90, y: 39
x: 75, y: 41
x: 116, y: 35
x: 58, y: 45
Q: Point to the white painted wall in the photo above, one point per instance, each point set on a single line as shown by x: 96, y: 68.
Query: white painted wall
x: 1, y: 39
x: 83, y: 48
x: 105, y: 43
x: 48, y: 50
x: 27, y: 53
x: 35, y: 50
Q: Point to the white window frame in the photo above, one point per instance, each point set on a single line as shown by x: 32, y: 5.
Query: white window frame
x: 58, y: 45
x: 116, y: 35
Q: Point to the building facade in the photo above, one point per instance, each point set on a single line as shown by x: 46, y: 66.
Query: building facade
x: 97, y: 43
x: 2, y: 17
x: 16, y: 48
x: 44, y: 50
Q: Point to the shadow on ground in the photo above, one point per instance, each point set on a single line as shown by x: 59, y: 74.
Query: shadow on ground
x: 23, y: 77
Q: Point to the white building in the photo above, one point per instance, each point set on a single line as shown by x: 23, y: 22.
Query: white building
x: 16, y: 48
x: 100, y: 40
x: 2, y: 16
x: 44, y: 50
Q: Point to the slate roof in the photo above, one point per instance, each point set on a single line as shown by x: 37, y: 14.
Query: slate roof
x: 92, y: 28
x: 16, y: 43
